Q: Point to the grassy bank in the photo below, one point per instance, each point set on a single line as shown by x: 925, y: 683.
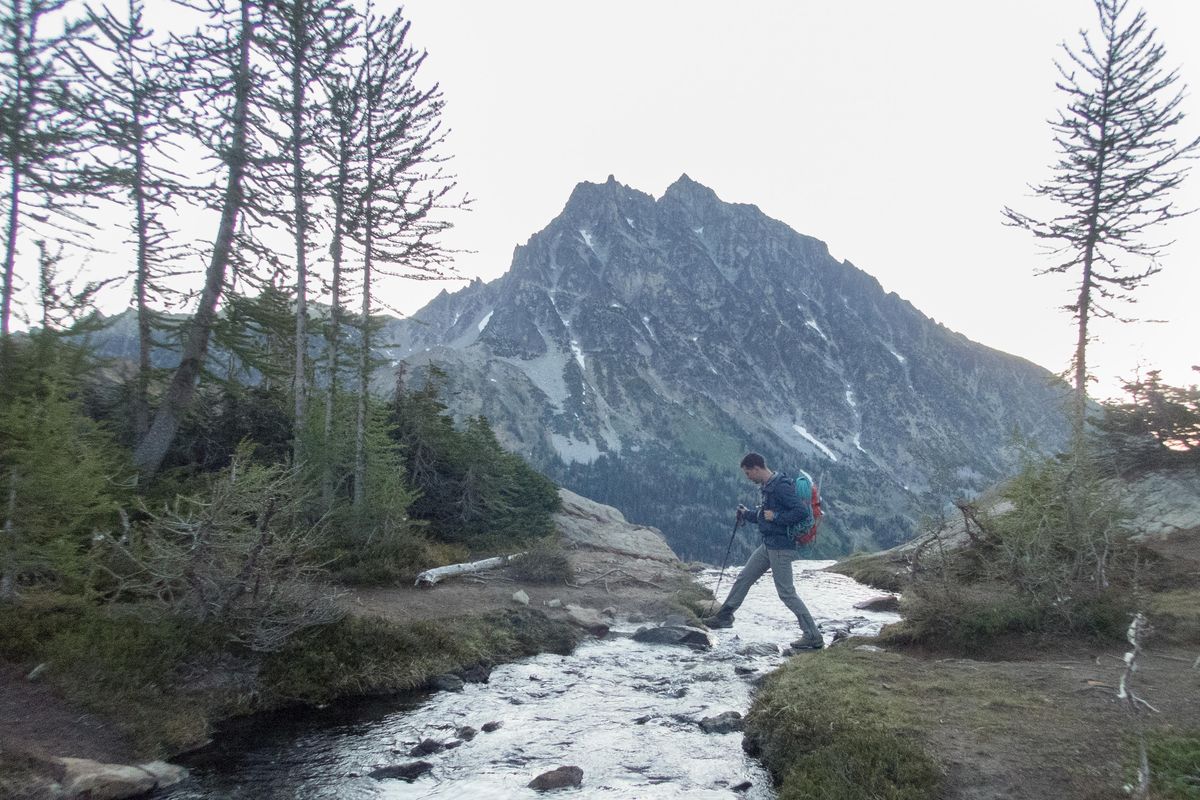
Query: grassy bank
x: 828, y: 726
x: 165, y: 682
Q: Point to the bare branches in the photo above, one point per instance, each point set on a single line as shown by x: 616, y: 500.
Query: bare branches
x: 240, y: 559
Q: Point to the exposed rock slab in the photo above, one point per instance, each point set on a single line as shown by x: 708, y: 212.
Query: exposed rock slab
x: 83, y: 778
x: 590, y: 524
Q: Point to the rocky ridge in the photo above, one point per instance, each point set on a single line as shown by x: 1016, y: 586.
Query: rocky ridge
x: 638, y: 347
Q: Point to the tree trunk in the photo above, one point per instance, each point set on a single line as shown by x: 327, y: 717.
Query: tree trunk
x: 153, y: 448
x: 13, y: 130
x: 141, y: 403
x: 8, y: 548
x: 335, y: 312
x: 301, y: 224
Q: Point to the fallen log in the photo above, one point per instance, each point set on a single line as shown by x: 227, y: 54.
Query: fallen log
x: 433, y: 576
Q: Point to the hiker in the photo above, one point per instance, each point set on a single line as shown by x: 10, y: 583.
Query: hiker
x: 779, y: 509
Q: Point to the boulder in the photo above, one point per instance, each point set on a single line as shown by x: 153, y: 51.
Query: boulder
x: 561, y: 778
x: 519, y: 596
x: 447, y: 683
x: 427, y: 747
x: 695, y: 638
x: 405, y: 772
x: 590, y: 524
x: 489, y: 727
x: 480, y: 673
x: 885, y: 602
x: 95, y: 781
x: 759, y: 649
x: 589, y: 619
x: 466, y: 733
x: 728, y: 722
x: 744, y: 786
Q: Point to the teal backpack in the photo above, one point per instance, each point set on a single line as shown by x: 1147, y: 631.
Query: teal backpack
x: 810, y: 498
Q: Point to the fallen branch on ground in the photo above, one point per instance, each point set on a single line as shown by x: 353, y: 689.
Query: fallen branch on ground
x: 433, y: 576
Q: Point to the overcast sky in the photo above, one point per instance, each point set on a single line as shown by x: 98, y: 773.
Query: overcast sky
x: 894, y: 131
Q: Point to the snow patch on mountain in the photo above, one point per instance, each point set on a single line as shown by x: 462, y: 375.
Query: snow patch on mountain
x: 571, y: 451
x: 800, y: 429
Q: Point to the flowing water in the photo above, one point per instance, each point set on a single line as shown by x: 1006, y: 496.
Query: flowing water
x: 627, y: 713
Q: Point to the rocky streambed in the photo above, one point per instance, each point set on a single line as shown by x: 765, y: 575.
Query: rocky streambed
x: 630, y: 718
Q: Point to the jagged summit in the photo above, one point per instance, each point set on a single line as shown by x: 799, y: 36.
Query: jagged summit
x: 636, y: 337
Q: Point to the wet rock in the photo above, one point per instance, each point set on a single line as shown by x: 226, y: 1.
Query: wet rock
x: 589, y: 619
x: 759, y: 649
x: 480, y: 673
x: 426, y: 747
x: 643, y: 720
x: 675, y: 634
x: 405, y: 772
x: 466, y: 733
x: 727, y: 722
x: 675, y: 620
x: 489, y: 727
x: 447, y: 683
x: 744, y: 786
x: 886, y: 602
x: 520, y: 597
x: 85, y: 778
x: 453, y: 743
x: 561, y: 778
x: 610, y: 611
x: 743, y: 670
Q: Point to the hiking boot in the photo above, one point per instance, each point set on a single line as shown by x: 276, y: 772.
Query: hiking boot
x: 722, y: 619
x: 809, y: 643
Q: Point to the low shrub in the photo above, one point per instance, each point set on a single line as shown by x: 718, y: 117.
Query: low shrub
x: 545, y: 561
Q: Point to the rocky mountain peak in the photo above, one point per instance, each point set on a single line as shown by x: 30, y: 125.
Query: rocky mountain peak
x: 637, y: 337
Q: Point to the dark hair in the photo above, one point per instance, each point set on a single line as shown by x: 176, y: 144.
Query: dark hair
x: 752, y: 460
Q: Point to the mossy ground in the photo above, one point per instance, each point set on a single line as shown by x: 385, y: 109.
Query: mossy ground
x: 1043, y: 724
x: 873, y: 569
x: 165, y: 682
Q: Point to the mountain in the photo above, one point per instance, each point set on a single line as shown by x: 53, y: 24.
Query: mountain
x: 638, y: 347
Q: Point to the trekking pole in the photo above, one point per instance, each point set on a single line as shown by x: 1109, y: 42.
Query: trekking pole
x: 728, y: 547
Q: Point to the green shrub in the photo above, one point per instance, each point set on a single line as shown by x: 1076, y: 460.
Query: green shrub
x: 545, y: 561
x: 1059, y: 562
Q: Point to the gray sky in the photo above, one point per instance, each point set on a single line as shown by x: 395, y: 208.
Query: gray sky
x: 895, y: 132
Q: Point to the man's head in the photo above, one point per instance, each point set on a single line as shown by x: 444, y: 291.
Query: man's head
x: 755, y: 468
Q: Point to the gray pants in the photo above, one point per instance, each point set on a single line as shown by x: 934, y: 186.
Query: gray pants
x: 780, y: 564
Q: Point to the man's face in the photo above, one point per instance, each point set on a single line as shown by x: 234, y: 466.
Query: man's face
x: 756, y: 474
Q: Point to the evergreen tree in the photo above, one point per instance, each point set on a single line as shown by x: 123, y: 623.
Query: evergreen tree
x: 402, y: 184
x: 225, y: 86
x: 40, y: 140
x: 133, y: 104
x: 1116, y: 170
x: 304, y: 38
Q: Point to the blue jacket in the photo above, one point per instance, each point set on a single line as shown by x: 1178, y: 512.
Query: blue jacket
x: 779, y: 495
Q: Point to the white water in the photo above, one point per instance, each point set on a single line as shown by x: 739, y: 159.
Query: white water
x: 623, y: 711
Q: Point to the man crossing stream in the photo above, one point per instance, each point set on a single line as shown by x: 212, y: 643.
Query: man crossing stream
x: 779, y: 509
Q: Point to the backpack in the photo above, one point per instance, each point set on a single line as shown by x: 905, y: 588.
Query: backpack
x: 810, y: 496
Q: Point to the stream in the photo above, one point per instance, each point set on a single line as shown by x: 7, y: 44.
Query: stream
x: 627, y: 713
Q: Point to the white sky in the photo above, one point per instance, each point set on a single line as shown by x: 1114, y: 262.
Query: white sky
x: 895, y: 132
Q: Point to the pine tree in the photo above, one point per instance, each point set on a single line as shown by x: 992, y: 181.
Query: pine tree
x: 133, y: 104
x: 402, y: 184
x: 1116, y: 170
x: 304, y: 38
x: 225, y: 85
x: 40, y: 140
